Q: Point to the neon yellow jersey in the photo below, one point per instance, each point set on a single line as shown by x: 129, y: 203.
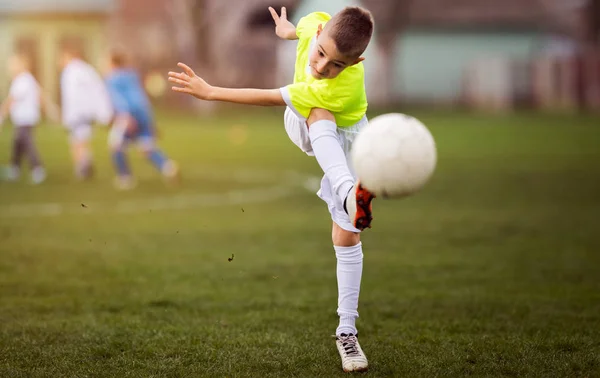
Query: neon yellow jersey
x: 344, y: 95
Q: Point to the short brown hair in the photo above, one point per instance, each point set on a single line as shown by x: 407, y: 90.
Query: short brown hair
x: 351, y: 30
x: 72, y: 47
x: 119, y: 57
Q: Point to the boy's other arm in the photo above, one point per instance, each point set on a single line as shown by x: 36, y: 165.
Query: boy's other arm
x: 190, y: 83
x: 283, y: 28
x: 50, y: 108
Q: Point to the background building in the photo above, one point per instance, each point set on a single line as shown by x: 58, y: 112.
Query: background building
x: 40, y: 28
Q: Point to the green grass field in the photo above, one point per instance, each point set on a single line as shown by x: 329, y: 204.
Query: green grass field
x: 493, y: 270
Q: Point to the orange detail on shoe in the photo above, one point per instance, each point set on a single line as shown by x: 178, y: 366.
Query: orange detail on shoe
x: 364, y: 208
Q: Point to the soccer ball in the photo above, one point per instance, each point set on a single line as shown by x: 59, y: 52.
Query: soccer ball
x: 394, y: 156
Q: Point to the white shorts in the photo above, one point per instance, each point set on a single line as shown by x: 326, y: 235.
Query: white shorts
x: 80, y: 133
x: 297, y: 130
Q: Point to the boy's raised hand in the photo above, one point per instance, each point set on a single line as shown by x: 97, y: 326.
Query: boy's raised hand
x: 283, y: 28
x: 190, y: 83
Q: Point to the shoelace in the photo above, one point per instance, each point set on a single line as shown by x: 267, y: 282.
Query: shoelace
x: 349, y: 344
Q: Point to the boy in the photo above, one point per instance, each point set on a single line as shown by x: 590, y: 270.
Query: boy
x: 24, y: 105
x: 133, y: 122
x: 84, y: 101
x: 326, y: 108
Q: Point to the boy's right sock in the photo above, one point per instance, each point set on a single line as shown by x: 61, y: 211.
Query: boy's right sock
x: 120, y: 162
x: 84, y: 166
x: 349, y: 273
x: 330, y: 156
x: 157, y: 158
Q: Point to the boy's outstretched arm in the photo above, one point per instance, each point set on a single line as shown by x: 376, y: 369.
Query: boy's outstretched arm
x: 190, y: 83
x: 283, y: 28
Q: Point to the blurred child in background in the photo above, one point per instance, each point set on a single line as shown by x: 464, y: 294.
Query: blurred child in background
x: 133, y: 122
x: 23, y: 104
x: 85, y: 101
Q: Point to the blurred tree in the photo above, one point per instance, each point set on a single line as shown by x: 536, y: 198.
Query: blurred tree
x: 391, y: 18
x: 594, y: 22
x: 189, y: 24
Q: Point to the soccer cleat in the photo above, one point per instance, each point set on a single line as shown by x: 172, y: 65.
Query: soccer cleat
x: 358, y: 206
x: 38, y: 175
x: 353, y: 358
x: 171, y: 172
x: 124, y: 183
x: 12, y: 173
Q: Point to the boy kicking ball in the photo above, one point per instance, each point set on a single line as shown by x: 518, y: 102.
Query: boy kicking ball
x: 326, y: 109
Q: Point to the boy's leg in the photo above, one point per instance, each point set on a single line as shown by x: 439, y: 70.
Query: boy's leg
x: 117, y: 145
x: 328, y: 150
x: 81, y: 151
x: 348, y: 251
x: 18, y: 149
x: 168, y: 168
x: 349, y: 255
x: 38, y: 173
x: 330, y: 155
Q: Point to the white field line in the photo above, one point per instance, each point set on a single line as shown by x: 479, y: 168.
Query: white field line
x: 289, y: 183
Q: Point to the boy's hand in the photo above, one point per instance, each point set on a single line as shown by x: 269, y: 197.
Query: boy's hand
x: 190, y: 83
x: 283, y: 28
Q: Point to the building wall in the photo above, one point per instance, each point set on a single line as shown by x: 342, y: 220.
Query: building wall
x: 430, y: 65
x: 46, y: 34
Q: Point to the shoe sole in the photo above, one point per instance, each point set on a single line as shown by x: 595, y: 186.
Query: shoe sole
x: 360, y: 370
x: 364, y: 209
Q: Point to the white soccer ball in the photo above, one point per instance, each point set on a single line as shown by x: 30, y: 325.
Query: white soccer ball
x: 394, y: 156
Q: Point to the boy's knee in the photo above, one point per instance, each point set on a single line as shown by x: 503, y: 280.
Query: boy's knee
x: 317, y: 114
x: 344, y: 238
x: 116, y: 149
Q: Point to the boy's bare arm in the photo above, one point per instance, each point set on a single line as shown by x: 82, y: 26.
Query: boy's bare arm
x: 283, y: 28
x: 50, y: 108
x: 190, y: 83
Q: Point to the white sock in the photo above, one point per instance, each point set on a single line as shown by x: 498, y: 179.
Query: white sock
x: 84, y: 165
x: 330, y: 156
x: 349, y: 273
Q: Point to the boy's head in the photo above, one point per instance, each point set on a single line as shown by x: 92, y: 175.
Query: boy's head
x: 69, y: 51
x: 18, y: 63
x: 116, y: 58
x: 341, y: 43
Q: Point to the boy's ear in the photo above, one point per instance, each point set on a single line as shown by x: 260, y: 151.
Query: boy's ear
x: 358, y: 60
x: 319, y: 29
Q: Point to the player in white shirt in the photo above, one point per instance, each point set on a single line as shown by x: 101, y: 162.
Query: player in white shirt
x: 85, y: 101
x: 23, y: 104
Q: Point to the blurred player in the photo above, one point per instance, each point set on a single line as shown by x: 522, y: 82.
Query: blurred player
x: 326, y: 108
x: 24, y: 106
x: 133, y: 122
x: 85, y: 101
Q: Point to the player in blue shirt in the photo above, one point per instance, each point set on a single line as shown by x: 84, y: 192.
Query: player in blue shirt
x: 133, y: 123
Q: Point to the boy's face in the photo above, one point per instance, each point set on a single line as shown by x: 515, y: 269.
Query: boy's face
x: 64, y: 59
x: 326, y: 62
x: 107, y: 65
x: 15, y: 66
